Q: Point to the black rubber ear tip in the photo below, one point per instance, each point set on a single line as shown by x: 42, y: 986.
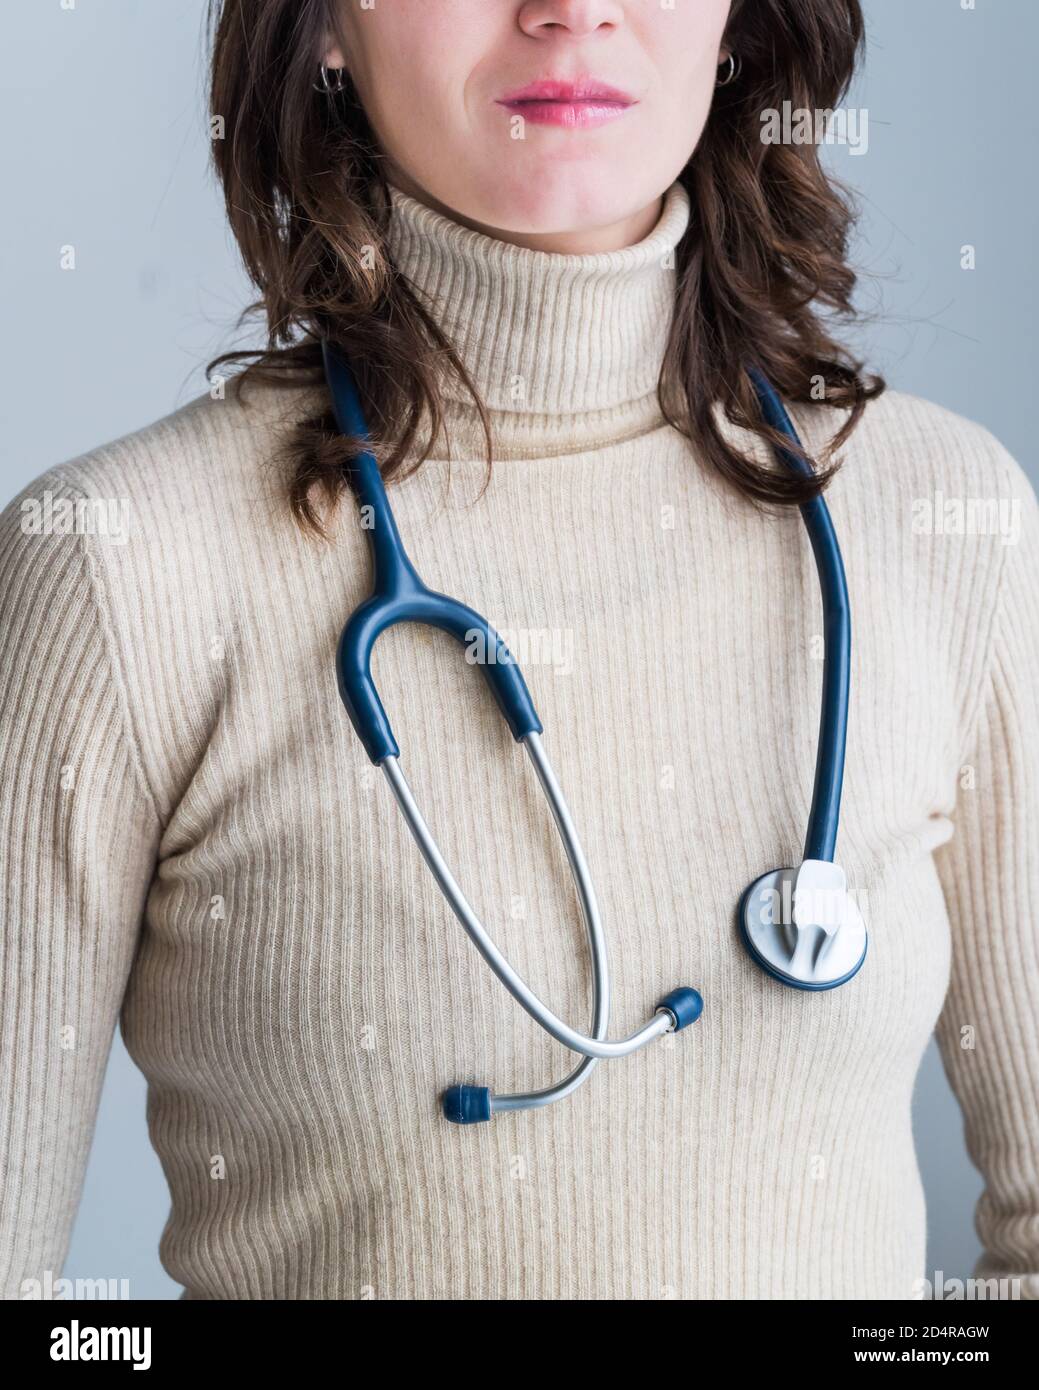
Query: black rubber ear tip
x: 685, y: 1005
x: 467, y: 1105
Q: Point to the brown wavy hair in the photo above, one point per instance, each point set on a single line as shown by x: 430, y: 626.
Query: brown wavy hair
x: 308, y: 203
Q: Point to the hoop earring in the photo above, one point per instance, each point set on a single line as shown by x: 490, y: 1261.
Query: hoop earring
x: 328, y: 87
x: 731, y: 70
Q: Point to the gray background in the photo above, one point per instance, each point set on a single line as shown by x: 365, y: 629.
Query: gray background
x: 106, y: 148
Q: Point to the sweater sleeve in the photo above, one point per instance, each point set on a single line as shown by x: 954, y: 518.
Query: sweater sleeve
x: 988, y: 1031
x: 78, y: 838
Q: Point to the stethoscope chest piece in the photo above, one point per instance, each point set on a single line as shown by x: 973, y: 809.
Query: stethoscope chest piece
x: 801, y: 926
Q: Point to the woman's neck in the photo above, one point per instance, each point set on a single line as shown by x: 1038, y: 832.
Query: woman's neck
x: 615, y: 236
x: 563, y: 349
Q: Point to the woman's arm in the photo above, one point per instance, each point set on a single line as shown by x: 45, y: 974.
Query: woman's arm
x: 988, y: 1031
x: 78, y: 837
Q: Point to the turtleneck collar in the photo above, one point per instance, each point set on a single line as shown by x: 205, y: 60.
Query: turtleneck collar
x: 565, y: 350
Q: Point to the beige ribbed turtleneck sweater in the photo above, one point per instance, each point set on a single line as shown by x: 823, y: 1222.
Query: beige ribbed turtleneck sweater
x: 194, y: 842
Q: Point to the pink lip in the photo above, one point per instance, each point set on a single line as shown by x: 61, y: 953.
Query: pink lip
x: 578, y: 104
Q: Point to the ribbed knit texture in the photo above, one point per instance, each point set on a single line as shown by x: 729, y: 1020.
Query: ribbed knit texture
x: 194, y: 841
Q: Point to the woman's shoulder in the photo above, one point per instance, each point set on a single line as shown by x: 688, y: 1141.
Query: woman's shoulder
x: 939, y: 519
x: 217, y: 449
x: 911, y: 448
x: 137, y: 557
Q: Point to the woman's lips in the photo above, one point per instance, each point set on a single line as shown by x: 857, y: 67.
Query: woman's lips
x: 578, y: 105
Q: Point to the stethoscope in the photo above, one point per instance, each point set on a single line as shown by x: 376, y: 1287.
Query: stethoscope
x: 799, y: 924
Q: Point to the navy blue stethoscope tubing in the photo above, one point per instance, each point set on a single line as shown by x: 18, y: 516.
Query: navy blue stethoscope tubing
x: 399, y: 595
x: 821, y: 835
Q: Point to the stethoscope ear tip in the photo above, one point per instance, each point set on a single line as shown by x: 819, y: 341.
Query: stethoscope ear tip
x: 466, y: 1105
x: 685, y: 1006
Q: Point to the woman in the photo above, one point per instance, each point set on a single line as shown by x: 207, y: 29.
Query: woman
x: 197, y: 844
